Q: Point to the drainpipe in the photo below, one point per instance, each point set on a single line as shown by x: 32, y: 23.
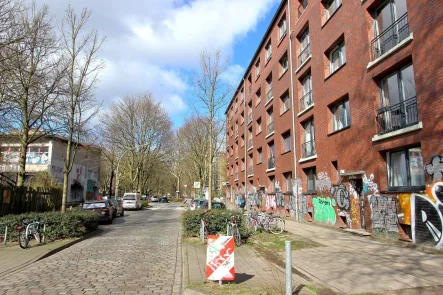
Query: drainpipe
x: 246, y: 147
x: 293, y: 109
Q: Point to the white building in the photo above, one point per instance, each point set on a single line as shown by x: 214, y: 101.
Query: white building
x: 46, y: 155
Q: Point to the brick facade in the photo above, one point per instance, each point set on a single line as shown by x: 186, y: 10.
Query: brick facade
x: 354, y: 185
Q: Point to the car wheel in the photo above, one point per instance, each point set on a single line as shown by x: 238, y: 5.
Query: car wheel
x: 123, y: 213
x: 110, y: 220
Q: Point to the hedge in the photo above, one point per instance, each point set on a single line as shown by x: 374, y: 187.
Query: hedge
x: 58, y: 225
x: 216, y: 221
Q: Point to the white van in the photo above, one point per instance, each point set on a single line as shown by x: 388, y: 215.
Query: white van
x: 132, y: 201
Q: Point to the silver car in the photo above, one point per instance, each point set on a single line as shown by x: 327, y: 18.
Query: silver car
x: 196, y: 204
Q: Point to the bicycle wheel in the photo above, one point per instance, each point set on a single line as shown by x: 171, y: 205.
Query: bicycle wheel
x: 276, y: 225
x: 251, y: 226
x: 22, y: 238
x: 237, y: 236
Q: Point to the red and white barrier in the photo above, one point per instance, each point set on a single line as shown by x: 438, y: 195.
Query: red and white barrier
x: 220, y: 258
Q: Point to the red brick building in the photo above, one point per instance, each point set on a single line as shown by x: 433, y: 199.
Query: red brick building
x: 338, y: 117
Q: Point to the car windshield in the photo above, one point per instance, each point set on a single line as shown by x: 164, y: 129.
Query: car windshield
x: 94, y: 205
x: 129, y: 197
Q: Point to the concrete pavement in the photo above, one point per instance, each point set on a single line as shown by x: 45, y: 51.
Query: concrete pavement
x: 352, y: 264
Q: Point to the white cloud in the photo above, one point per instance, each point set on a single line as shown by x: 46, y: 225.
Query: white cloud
x: 151, y: 45
x: 233, y: 75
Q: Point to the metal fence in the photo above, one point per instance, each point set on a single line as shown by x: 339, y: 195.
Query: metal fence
x: 397, y: 116
x: 308, y: 149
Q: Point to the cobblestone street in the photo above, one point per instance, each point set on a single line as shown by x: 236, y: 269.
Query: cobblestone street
x: 139, y: 253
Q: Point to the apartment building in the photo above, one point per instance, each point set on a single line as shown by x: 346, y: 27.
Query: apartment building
x: 337, y: 119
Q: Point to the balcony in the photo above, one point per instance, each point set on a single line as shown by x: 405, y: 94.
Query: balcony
x: 251, y: 170
x: 398, y: 116
x: 236, y: 176
x: 308, y: 149
x: 269, y: 95
x: 271, y: 163
x: 250, y: 144
x: 306, y: 101
x: 270, y: 128
x: 302, y: 7
x: 390, y: 37
x: 249, y: 118
x: 304, y: 54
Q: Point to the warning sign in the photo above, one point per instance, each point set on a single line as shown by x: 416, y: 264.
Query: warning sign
x: 220, y: 258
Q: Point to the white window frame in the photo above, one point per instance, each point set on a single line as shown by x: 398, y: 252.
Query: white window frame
x: 341, y: 49
x: 337, y: 4
x: 284, y: 65
x: 345, y: 107
x: 260, y: 156
x: 285, y: 103
x: 268, y: 49
x: 282, y: 27
x: 286, y: 142
x: 257, y: 69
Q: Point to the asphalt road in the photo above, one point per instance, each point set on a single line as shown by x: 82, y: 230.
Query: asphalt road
x: 140, y: 253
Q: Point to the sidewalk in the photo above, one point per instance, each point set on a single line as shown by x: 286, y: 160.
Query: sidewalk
x: 351, y: 264
x: 253, y: 274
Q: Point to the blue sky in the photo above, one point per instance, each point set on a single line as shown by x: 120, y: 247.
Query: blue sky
x: 154, y: 45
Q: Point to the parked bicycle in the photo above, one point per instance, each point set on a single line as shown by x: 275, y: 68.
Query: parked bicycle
x: 28, y: 230
x: 233, y: 230
x: 273, y: 224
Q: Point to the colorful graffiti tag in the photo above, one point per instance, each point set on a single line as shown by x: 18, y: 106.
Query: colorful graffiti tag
x: 324, y: 210
x: 384, y: 213
x: 435, y: 168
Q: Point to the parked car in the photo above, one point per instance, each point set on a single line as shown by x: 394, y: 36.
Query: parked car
x: 164, y: 200
x: 103, y: 208
x: 214, y: 205
x: 144, y: 197
x: 196, y: 204
x: 118, y: 206
x: 132, y: 201
x: 154, y: 199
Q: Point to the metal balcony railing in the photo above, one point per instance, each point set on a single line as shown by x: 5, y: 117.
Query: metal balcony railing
x: 304, y: 54
x: 390, y: 37
x: 302, y: 7
x: 270, y: 128
x: 397, y: 116
x: 306, y: 101
x: 249, y: 118
x: 251, y: 170
x: 271, y: 163
x: 308, y: 149
x: 269, y: 95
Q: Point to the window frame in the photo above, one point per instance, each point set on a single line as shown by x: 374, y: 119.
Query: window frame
x: 282, y: 24
x: 288, y: 181
x: 286, y: 137
x: 343, y: 104
x: 284, y: 60
x: 328, y: 4
x: 311, y: 171
x: 268, y: 49
x: 389, y: 166
x: 286, y: 103
x: 260, y: 155
x: 341, y: 48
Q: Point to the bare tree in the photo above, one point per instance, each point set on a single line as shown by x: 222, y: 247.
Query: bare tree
x: 30, y: 81
x: 78, y: 105
x: 212, y: 95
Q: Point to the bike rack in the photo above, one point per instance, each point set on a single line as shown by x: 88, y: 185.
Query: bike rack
x: 6, y: 232
x: 42, y: 237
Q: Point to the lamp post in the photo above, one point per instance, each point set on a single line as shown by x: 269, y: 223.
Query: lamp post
x: 118, y: 164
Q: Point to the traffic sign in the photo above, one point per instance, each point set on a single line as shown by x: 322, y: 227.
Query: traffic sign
x: 197, y: 184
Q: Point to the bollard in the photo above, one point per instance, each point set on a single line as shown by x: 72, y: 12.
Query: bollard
x: 288, y: 268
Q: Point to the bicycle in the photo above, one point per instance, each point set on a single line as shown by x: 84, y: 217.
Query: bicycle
x: 28, y: 230
x: 273, y: 224
x: 251, y: 223
x: 232, y: 230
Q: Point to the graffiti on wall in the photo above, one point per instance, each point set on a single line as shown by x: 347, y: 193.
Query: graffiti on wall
x: 369, y: 186
x: 323, y: 182
x: 404, y: 209
x: 341, y: 195
x: 254, y: 198
x: 279, y: 197
x: 296, y: 193
x: 427, y: 216
x: 384, y: 213
x: 435, y: 168
x: 324, y: 210
x: 270, y: 201
x: 305, y: 205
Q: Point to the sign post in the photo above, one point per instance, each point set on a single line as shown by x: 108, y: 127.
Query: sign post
x: 220, y: 259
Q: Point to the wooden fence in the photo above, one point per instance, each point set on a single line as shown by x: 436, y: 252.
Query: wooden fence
x: 14, y: 200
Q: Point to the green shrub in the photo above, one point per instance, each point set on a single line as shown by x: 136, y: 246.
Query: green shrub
x: 58, y: 225
x: 145, y: 204
x: 216, y: 221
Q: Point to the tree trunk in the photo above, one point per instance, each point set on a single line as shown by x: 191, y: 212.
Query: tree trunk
x: 110, y: 183
x: 210, y: 164
x: 66, y: 172
x: 22, y: 160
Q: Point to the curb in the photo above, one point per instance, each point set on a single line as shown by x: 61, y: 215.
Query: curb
x: 49, y: 253
x: 191, y: 292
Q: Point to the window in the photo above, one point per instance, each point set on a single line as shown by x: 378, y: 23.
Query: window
x: 250, y: 138
x: 282, y: 27
x: 271, y: 154
x: 306, y: 91
x: 311, y: 179
x: 283, y: 64
x: 272, y: 183
x: 308, y: 148
x: 270, y: 122
x: 269, y: 87
x: 305, y: 50
x: 257, y: 69
x: 260, y: 156
x: 258, y: 94
x: 288, y: 181
x: 286, y: 142
x: 268, y: 49
x: 242, y: 118
x: 337, y: 57
x: 243, y: 164
x: 242, y: 140
x: 341, y: 116
x: 331, y: 6
x: 405, y: 169
x: 398, y: 100
x: 285, y: 103
x: 391, y: 26
x: 259, y: 125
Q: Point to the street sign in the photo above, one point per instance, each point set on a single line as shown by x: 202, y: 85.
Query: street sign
x: 220, y: 258
x: 197, y: 184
